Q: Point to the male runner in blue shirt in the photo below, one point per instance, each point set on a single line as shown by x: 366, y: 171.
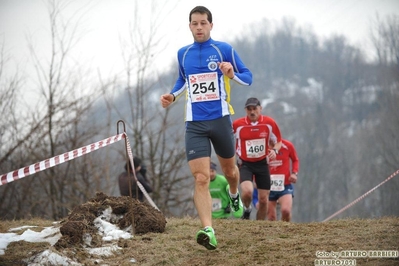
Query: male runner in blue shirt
x: 205, y: 70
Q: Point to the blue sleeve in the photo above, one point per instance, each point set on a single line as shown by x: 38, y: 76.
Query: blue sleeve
x: 180, y: 85
x: 242, y: 74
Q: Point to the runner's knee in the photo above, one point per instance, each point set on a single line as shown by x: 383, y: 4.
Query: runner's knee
x: 285, y: 212
x: 271, y: 216
x: 263, y: 201
x: 230, y: 171
x: 201, y: 179
x: 246, y: 194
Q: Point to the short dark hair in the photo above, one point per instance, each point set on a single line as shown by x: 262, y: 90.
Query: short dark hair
x: 201, y: 10
x: 136, y: 162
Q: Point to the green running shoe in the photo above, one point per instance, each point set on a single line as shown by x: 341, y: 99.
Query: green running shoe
x: 236, y: 205
x: 206, y: 238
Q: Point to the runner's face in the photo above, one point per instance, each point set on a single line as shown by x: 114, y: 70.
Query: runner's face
x: 212, y: 174
x: 200, y: 27
x: 253, y: 112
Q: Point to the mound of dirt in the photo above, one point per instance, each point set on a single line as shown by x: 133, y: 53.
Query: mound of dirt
x: 127, y: 213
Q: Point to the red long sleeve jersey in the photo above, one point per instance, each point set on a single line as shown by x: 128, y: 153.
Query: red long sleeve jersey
x: 252, y: 139
x: 281, y: 165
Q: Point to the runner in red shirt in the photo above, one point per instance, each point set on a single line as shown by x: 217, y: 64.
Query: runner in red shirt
x: 281, y: 179
x: 258, y: 140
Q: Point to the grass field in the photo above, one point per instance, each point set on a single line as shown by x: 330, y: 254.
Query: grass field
x: 240, y: 242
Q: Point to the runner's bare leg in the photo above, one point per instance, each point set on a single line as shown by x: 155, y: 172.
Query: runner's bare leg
x: 230, y: 171
x: 202, y: 198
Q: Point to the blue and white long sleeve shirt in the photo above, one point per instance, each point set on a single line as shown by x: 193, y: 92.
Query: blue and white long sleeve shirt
x: 207, y: 89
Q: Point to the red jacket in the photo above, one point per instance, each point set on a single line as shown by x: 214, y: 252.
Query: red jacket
x: 281, y: 165
x: 252, y: 140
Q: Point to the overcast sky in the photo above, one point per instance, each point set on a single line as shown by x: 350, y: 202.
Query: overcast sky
x: 107, y: 21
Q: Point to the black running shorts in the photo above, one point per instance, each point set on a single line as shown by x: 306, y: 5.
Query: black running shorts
x: 201, y: 134
x: 259, y: 170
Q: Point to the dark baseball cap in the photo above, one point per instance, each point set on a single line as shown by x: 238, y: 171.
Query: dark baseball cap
x: 213, y: 166
x: 252, y: 102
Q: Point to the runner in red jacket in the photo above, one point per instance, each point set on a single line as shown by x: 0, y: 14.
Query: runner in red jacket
x: 281, y: 179
x: 258, y: 140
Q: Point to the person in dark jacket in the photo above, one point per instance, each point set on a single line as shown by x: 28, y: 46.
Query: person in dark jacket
x: 124, y: 181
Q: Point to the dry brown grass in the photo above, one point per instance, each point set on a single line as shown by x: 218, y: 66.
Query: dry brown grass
x: 240, y: 242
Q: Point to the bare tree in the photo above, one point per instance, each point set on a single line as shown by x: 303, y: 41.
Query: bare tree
x: 155, y: 134
x: 55, y: 127
x: 8, y: 100
x: 379, y: 159
x: 385, y: 37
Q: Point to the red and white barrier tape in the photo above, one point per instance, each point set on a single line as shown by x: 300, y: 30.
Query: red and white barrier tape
x: 141, y: 187
x: 59, y: 159
x: 361, y: 197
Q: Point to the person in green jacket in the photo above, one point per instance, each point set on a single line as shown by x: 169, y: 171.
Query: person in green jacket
x: 219, y: 189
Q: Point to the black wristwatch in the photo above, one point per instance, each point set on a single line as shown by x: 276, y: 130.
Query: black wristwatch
x: 295, y: 173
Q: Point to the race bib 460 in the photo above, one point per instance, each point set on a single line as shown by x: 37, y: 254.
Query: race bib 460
x: 255, y: 148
